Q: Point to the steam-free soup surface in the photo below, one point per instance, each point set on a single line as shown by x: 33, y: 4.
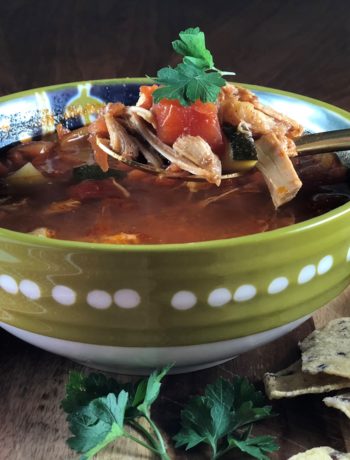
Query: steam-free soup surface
x: 160, y: 211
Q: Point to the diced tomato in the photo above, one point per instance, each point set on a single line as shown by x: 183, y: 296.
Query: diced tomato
x: 198, y: 119
x: 172, y: 120
x: 146, y: 99
x: 95, y: 189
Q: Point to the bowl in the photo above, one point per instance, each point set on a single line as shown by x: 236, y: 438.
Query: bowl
x: 133, y: 308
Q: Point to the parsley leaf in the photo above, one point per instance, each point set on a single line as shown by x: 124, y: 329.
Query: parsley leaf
x: 195, y: 78
x: 148, y: 390
x: 192, y: 46
x: 97, y: 424
x: 257, y: 447
x: 218, y: 417
x: 188, y: 83
x: 82, y: 389
x: 99, y: 408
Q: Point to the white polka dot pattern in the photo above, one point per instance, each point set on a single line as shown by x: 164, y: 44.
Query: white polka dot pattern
x: 244, y: 293
x: 278, y: 285
x: 64, y: 295
x: 127, y: 298
x: 325, y: 265
x: 183, y: 300
x: 219, y: 297
x: 306, y: 274
x: 8, y: 284
x: 99, y: 299
x: 30, y: 289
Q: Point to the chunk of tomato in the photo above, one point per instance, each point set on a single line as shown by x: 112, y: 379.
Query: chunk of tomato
x: 146, y: 99
x: 199, y: 119
x: 171, y: 120
x: 204, y: 122
x: 174, y: 120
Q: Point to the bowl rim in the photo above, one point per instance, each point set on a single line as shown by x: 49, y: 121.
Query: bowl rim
x: 255, y: 238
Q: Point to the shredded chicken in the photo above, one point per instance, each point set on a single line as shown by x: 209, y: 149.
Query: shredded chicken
x: 147, y: 115
x: 60, y: 207
x: 274, y: 133
x: 13, y: 207
x: 131, y: 132
x: 191, y: 154
x: 116, y: 109
x: 43, y: 232
x: 198, y: 151
x: 238, y: 104
x: 277, y: 169
x: 119, y: 238
x: 120, y: 140
x: 151, y: 155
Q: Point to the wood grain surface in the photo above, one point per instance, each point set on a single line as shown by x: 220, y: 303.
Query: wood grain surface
x: 296, y: 45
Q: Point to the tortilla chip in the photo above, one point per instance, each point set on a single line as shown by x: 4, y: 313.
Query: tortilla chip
x: 321, y: 453
x: 291, y: 382
x: 327, y: 350
x: 341, y: 402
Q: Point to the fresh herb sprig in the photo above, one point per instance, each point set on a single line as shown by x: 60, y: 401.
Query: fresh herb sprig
x: 101, y: 410
x: 223, y: 418
x: 196, y: 77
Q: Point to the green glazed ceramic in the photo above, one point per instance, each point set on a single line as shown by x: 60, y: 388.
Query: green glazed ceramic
x: 137, y: 307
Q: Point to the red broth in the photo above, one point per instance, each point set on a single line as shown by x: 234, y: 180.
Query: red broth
x: 162, y: 211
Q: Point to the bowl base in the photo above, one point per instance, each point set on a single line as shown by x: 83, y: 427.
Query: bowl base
x: 146, y: 370
x: 142, y: 360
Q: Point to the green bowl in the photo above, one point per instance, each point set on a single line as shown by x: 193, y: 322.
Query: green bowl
x: 133, y: 308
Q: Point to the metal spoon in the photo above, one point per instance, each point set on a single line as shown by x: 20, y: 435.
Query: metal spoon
x: 329, y: 141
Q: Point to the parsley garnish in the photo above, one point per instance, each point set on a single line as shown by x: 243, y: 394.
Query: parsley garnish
x: 196, y: 77
x: 223, y: 418
x: 101, y: 410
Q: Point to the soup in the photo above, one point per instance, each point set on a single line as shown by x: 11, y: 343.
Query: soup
x: 195, y: 159
x: 65, y: 199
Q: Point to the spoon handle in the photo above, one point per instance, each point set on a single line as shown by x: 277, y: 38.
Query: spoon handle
x: 330, y: 141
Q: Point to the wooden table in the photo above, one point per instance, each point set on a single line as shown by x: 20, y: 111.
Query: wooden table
x: 294, y: 45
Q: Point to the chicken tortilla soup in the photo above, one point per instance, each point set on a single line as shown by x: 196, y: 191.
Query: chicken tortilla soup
x: 197, y: 161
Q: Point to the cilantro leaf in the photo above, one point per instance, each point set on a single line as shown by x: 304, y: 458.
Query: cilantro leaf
x: 97, y: 424
x: 215, y: 417
x: 257, y: 447
x: 192, y: 46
